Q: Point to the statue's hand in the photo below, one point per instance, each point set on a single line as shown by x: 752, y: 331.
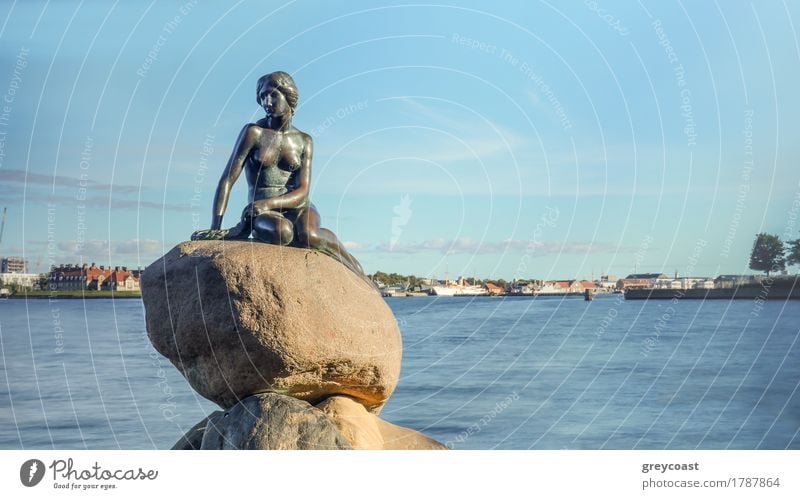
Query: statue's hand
x: 209, y: 235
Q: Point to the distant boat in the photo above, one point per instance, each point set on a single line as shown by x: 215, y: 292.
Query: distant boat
x: 455, y: 290
x: 459, y: 288
x: 443, y: 290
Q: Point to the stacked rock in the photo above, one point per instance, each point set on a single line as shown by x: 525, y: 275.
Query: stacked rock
x: 298, y: 351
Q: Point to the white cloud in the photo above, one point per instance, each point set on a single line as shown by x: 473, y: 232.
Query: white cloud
x: 10, y: 175
x: 101, y: 249
x: 467, y: 245
x: 84, y: 247
x: 136, y: 246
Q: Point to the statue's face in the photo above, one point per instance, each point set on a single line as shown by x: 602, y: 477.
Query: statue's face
x: 273, y: 101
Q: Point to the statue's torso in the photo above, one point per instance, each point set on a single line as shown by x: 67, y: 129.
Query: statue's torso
x: 272, y: 166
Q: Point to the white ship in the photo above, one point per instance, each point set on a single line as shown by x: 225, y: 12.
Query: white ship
x: 443, y: 290
x: 459, y: 288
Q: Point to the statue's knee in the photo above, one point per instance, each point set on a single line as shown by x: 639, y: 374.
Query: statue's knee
x: 263, y: 234
x: 273, y: 231
x: 285, y: 233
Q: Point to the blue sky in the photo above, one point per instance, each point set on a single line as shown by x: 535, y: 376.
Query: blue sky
x: 512, y: 139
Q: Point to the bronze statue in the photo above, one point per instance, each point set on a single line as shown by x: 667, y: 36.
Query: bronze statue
x: 276, y: 159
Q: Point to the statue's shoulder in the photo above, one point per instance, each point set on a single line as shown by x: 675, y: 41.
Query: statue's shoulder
x: 255, y: 128
x: 306, y: 138
x: 258, y: 131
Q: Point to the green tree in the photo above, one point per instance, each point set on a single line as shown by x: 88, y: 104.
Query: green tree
x: 43, y: 283
x: 767, y: 254
x: 794, y: 252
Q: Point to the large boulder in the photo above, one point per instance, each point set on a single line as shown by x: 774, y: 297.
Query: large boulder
x: 366, y: 431
x: 193, y: 439
x: 239, y: 318
x: 274, y: 422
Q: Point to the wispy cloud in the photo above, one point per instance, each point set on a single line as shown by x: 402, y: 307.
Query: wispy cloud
x: 443, y: 116
x: 15, y: 197
x: 94, y: 246
x: 129, y: 252
x: 475, y: 247
x: 437, y: 131
x: 28, y: 177
x: 136, y: 246
x: 99, y: 246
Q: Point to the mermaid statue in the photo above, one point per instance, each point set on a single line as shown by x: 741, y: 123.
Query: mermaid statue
x: 276, y: 160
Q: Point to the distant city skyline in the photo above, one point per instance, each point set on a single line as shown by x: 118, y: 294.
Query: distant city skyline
x: 511, y: 140
x: 608, y: 277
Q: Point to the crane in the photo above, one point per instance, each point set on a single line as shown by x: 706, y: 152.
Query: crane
x: 3, y: 223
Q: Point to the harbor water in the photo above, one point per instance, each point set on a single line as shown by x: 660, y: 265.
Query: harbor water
x: 478, y: 373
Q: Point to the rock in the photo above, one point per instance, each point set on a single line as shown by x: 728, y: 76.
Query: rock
x: 239, y: 318
x: 400, y: 438
x: 358, y: 426
x: 272, y: 421
x: 367, y: 431
x: 193, y: 438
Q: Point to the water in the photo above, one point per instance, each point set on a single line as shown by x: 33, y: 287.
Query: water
x: 482, y: 373
x: 107, y: 389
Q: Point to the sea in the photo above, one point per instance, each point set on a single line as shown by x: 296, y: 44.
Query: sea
x: 477, y: 373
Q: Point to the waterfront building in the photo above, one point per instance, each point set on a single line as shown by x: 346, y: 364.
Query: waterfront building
x: 91, y: 277
x: 607, y: 282
x: 668, y: 283
x: 13, y: 265
x: 522, y: 287
x: 707, y: 283
x: 13, y: 272
x: 493, y: 289
x: 727, y: 281
x: 121, y: 279
x: 639, y: 281
x: 564, y: 287
x: 20, y: 279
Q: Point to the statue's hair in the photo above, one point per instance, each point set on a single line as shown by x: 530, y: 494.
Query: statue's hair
x: 285, y: 84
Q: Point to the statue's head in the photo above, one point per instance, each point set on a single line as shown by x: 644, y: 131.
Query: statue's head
x: 275, y: 91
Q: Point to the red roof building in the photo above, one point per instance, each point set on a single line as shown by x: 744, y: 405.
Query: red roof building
x: 92, y: 277
x: 493, y: 289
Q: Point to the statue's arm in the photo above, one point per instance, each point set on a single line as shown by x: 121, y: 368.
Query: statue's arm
x: 297, y: 197
x: 232, y: 171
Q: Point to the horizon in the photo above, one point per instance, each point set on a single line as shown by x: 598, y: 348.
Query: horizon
x: 610, y: 277
x: 504, y: 141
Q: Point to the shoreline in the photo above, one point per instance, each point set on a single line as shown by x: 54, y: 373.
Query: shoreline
x: 737, y: 293
x: 68, y: 295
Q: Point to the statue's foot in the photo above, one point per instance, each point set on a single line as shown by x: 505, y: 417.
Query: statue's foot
x: 236, y: 232
x: 209, y: 235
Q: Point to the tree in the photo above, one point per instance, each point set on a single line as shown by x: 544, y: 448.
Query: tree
x: 794, y: 252
x: 767, y: 254
x: 43, y: 282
